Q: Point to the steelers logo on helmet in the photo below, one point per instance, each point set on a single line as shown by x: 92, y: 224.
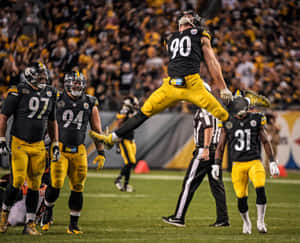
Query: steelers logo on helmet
x: 131, y: 102
x: 239, y: 106
x: 75, y: 83
x: 36, y: 74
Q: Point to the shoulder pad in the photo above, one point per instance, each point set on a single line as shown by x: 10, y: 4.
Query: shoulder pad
x: 23, y: 88
x: 13, y: 90
x: 93, y: 100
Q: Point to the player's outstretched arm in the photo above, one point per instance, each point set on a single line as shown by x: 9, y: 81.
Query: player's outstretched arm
x: 4, y: 150
x: 214, y: 69
x: 273, y: 165
x: 96, y: 126
x: 3, y: 124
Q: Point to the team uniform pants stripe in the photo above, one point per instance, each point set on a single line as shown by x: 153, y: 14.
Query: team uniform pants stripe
x: 187, y: 184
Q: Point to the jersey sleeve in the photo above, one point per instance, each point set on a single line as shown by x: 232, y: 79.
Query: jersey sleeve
x: 205, y: 33
x: 93, y: 100
x: 263, y: 120
x: 11, y: 102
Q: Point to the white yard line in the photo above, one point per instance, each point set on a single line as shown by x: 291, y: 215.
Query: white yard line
x: 108, y: 195
x: 176, y: 178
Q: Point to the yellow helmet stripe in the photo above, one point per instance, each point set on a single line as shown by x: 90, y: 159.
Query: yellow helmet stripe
x: 41, y: 64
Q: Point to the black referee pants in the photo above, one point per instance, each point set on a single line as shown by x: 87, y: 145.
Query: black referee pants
x: 193, y: 178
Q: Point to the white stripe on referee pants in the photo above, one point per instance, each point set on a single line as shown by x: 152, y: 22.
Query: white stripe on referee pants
x: 188, y: 184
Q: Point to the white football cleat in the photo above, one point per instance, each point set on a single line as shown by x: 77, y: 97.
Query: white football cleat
x: 247, y: 228
x: 261, y: 227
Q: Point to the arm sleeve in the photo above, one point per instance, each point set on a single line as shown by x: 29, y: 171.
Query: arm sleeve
x: 10, y: 104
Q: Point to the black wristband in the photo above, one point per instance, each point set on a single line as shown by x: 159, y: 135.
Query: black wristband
x: 218, y: 161
x: 206, y: 146
x: 101, y: 152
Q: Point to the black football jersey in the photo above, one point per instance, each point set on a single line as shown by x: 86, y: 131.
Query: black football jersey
x: 73, y: 117
x: 243, y: 137
x: 31, y: 110
x: 125, y: 113
x: 185, y: 53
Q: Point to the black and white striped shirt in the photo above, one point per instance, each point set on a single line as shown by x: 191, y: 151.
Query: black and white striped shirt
x: 203, y: 120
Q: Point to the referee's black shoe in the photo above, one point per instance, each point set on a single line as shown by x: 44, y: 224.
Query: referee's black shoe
x: 220, y: 224
x: 174, y: 221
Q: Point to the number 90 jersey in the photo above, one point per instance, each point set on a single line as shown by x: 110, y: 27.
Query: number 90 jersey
x: 73, y: 117
x: 185, y: 53
x: 31, y: 110
x: 243, y: 137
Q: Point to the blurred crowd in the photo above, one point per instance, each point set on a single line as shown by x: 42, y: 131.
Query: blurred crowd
x: 118, y: 45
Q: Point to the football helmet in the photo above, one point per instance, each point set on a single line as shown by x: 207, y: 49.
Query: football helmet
x: 37, y: 75
x: 191, y: 18
x: 75, y: 83
x: 239, y: 106
x: 131, y: 102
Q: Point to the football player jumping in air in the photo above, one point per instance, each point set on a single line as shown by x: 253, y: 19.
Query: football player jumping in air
x: 245, y: 132
x: 186, y: 48
x: 75, y: 110
x: 32, y: 104
x: 127, y: 146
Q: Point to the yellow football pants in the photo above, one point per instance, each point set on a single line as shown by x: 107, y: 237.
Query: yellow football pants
x: 194, y: 92
x: 28, y: 161
x: 242, y: 171
x: 128, y: 151
x: 73, y: 165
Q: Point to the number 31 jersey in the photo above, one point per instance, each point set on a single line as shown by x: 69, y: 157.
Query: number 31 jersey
x: 73, y: 117
x: 243, y: 137
x: 31, y: 110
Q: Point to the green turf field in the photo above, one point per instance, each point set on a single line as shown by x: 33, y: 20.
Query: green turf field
x: 112, y: 216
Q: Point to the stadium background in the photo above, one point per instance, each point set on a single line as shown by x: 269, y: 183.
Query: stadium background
x: 118, y: 45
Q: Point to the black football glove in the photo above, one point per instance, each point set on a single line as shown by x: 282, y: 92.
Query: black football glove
x: 3, y: 147
x: 55, y: 151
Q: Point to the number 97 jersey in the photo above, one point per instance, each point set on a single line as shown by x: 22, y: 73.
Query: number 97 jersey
x: 73, y: 117
x: 243, y: 137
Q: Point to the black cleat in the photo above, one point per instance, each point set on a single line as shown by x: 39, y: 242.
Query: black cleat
x: 174, y: 221
x: 73, y: 229
x: 220, y: 224
x: 46, y: 219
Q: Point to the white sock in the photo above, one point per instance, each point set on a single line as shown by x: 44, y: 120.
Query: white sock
x: 49, y: 204
x: 30, y: 216
x: 114, y: 137
x: 75, y: 213
x: 261, y: 210
x: 245, y: 217
x: 5, y: 207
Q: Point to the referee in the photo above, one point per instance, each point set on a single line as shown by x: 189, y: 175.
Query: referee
x: 206, y: 136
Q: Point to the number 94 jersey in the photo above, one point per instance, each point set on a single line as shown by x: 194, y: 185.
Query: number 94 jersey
x: 73, y: 117
x: 243, y: 137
